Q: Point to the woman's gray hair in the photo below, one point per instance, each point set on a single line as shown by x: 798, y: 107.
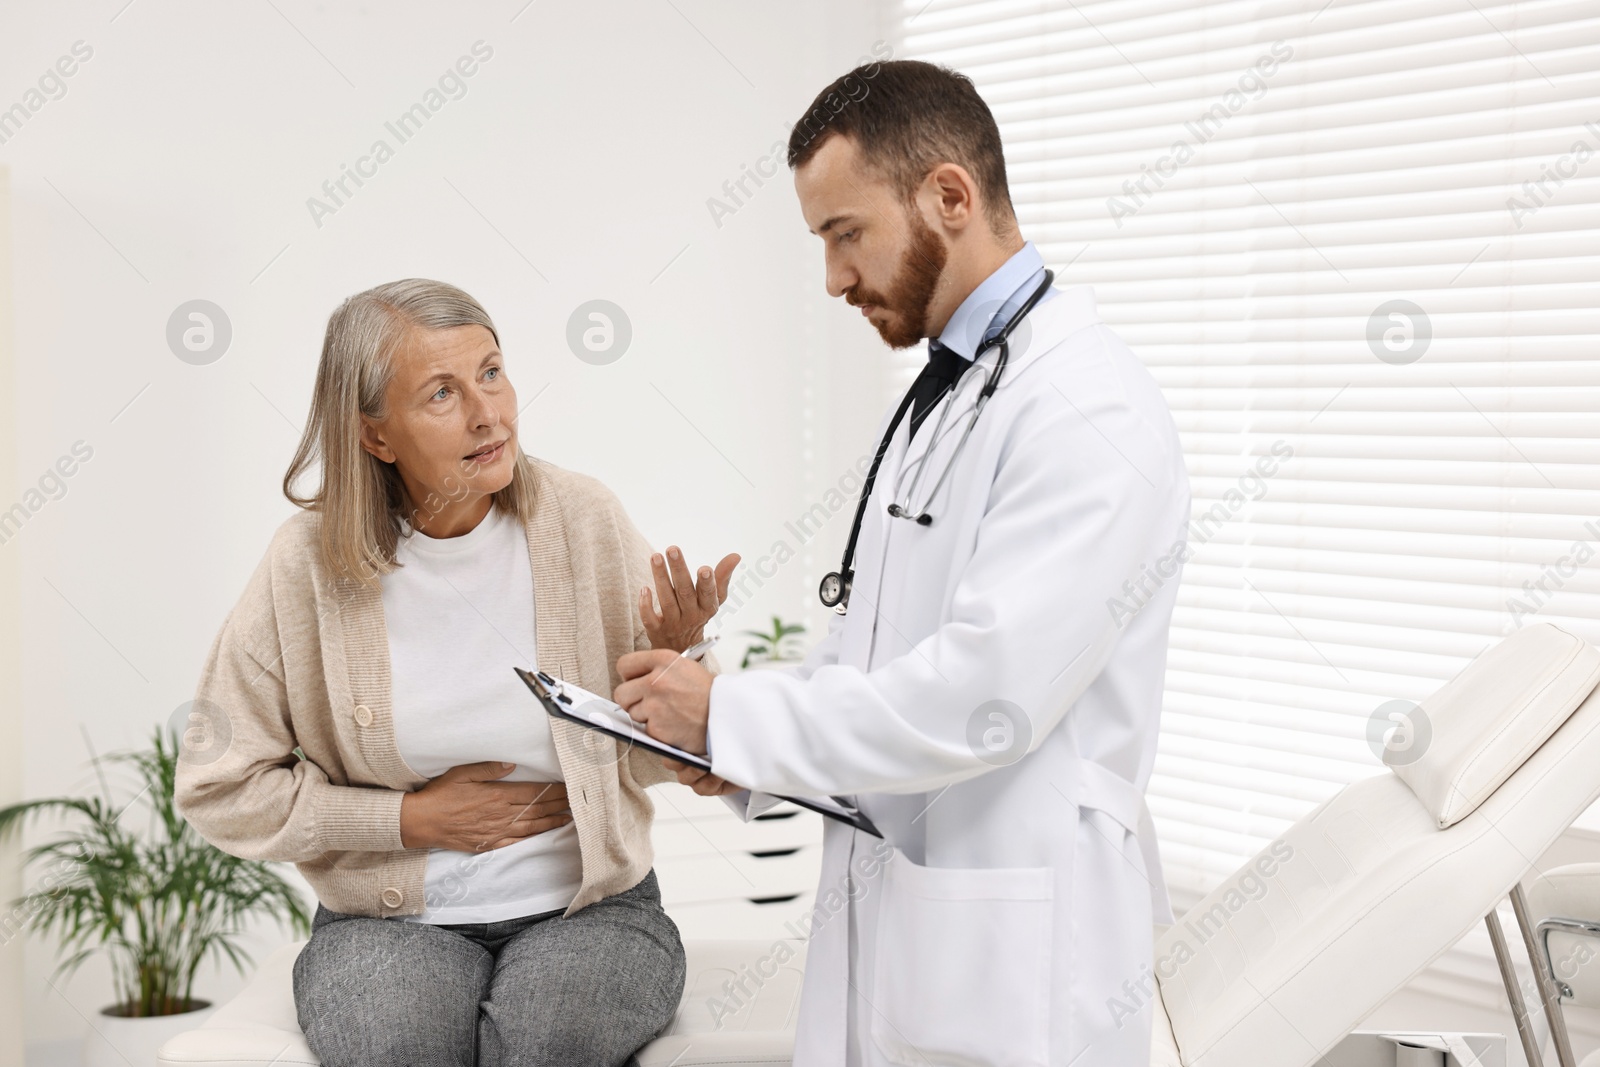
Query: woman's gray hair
x: 362, y: 499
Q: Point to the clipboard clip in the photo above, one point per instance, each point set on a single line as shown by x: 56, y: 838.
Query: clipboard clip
x: 539, y: 683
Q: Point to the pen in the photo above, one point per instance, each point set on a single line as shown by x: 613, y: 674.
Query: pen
x: 698, y: 651
x: 695, y: 652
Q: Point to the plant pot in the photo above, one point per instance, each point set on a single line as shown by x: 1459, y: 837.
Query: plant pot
x: 121, y: 1040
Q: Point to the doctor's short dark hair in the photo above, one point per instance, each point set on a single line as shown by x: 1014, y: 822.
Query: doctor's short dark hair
x: 907, y: 117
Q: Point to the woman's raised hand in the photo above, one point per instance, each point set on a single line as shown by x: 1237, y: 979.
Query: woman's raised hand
x: 686, y: 605
x: 466, y: 810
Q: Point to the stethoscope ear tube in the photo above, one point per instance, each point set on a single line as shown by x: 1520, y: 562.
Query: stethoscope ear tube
x: 834, y: 592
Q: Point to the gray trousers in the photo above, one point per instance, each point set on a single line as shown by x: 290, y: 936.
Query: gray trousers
x: 541, y: 989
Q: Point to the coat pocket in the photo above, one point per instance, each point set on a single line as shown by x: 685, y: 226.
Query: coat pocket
x: 962, y: 970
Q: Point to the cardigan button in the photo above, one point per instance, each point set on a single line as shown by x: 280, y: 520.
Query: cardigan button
x: 392, y: 897
x: 363, y: 715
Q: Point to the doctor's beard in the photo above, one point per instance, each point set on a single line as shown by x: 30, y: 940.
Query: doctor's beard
x: 912, y: 289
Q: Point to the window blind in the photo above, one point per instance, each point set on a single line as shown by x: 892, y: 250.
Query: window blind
x: 1358, y: 245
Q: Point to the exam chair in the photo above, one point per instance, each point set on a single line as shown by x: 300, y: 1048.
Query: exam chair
x: 1378, y: 882
x: 1393, y: 870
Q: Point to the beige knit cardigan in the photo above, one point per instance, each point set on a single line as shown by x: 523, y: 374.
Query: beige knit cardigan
x: 303, y: 660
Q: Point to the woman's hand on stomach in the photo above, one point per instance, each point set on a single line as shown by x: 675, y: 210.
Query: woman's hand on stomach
x: 466, y: 810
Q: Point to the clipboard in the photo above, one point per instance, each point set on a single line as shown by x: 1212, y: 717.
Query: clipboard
x: 563, y: 700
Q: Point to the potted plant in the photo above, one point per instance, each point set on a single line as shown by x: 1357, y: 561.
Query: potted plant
x: 157, y: 903
x: 774, y: 646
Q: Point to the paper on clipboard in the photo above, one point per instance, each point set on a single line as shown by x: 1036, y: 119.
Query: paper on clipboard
x: 575, y: 704
x: 578, y: 705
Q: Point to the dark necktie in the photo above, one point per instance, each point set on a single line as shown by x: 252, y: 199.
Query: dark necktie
x: 944, y: 366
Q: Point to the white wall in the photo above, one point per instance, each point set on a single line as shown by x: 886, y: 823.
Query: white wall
x: 578, y: 164
x: 10, y: 659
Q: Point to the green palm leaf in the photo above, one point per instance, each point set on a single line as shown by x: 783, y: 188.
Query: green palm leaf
x: 158, y: 903
x: 770, y: 644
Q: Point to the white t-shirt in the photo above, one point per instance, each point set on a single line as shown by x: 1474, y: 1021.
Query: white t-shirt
x: 460, y: 615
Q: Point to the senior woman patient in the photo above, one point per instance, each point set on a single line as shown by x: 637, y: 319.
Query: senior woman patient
x: 483, y: 873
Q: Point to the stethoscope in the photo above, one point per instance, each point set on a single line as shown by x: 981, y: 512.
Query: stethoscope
x: 835, y: 588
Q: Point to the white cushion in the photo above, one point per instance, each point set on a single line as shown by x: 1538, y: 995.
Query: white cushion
x: 1569, y: 892
x: 710, y: 1028
x: 259, y: 1028
x: 1486, y: 721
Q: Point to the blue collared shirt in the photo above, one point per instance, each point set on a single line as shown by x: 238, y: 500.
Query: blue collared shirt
x: 994, y: 300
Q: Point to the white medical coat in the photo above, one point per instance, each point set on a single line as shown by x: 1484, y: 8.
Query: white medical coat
x: 1014, y: 893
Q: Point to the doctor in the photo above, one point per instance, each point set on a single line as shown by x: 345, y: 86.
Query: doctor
x: 991, y: 693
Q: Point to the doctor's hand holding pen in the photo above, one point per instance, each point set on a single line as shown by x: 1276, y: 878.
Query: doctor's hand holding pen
x: 655, y: 693
x: 670, y: 697
x: 686, y: 605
